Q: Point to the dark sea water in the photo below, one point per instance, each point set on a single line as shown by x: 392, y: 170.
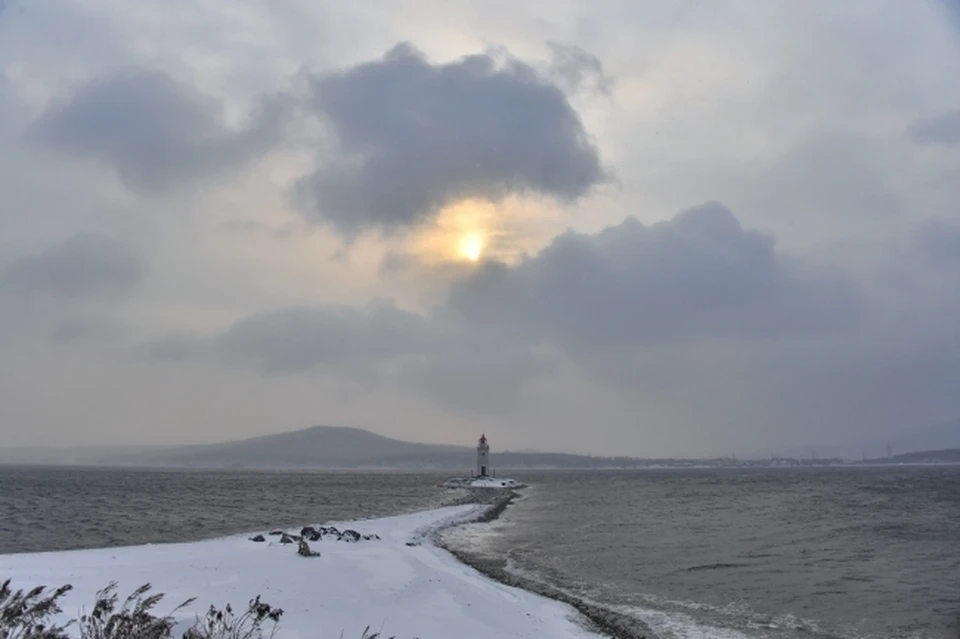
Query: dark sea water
x: 719, y: 554
x: 67, y: 508
x: 786, y: 554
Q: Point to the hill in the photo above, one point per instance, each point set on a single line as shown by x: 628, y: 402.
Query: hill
x: 315, y: 447
x: 318, y: 447
x: 941, y: 436
x: 949, y: 455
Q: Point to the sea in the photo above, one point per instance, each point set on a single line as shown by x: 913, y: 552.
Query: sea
x: 832, y: 553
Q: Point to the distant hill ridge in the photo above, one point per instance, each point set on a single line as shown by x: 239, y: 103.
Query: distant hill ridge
x: 331, y: 447
x: 949, y: 455
x: 317, y: 446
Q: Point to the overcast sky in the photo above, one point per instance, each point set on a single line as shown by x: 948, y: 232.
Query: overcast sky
x: 642, y: 227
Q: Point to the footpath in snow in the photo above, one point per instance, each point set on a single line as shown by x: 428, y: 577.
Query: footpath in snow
x: 414, y: 591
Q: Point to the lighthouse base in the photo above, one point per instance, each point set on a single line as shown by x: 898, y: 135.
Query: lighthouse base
x: 483, y: 482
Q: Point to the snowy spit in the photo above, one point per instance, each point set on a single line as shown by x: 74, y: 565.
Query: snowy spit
x: 483, y: 482
x: 401, y: 584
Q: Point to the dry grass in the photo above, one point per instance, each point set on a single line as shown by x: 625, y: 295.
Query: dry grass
x: 134, y: 618
x: 26, y: 615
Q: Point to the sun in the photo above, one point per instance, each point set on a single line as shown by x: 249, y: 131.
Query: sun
x: 470, y: 246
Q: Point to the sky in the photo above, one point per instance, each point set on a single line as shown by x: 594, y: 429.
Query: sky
x: 641, y: 227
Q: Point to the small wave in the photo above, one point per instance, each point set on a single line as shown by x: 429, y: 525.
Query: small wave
x: 719, y: 566
x: 678, y: 625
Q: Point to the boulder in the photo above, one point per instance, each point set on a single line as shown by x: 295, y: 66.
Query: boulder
x: 286, y: 539
x: 350, y: 535
x: 258, y: 538
x: 303, y: 549
x: 371, y: 537
x: 275, y: 532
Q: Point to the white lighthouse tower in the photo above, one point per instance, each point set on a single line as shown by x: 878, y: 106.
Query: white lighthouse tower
x: 483, y: 457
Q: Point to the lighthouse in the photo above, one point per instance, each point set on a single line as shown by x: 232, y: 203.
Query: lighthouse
x: 483, y: 457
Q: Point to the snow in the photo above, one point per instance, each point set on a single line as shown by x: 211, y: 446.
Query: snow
x: 410, y: 591
x: 483, y: 482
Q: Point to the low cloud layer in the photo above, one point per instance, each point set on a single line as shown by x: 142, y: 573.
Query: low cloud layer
x: 938, y: 241
x: 154, y: 131
x: 300, y: 339
x: 942, y: 130
x: 700, y: 277
x: 86, y: 266
x: 415, y: 136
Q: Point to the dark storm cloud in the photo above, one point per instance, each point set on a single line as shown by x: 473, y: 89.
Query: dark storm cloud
x: 943, y: 130
x: 416, y: 136
x: 699, y: 276
x: 87, y: 266
x: 154, y: 131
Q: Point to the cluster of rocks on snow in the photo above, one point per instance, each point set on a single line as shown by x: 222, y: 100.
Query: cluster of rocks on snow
x: 318, y: 533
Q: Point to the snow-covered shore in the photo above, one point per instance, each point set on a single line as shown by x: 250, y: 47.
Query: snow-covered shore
x: 409, y: 591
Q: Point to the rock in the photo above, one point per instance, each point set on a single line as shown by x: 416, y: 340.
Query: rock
x: 275, y: 532
x: 258, y: 538
x: 311, y: 533
x: 350, y: 535
x: 371, y: 537
x: 286, y: 539
x: 412, y: 543
x: 303, y: 549
x: 330, y: 530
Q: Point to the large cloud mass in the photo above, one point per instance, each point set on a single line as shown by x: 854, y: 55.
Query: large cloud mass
x: 153, y: 130
x: 414, y: 137
x: 698, y: 276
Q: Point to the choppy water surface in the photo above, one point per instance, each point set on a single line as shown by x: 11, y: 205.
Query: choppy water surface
x: 66, y: 508
x: 759, y: 553
x: 718, y: 554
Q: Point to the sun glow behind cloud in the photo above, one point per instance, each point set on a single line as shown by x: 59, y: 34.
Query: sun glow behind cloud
x: 472, y: 231
x: 463, y: 232
x: 471, y: 246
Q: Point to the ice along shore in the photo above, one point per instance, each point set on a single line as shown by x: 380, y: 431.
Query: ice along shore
x: 402, y: 583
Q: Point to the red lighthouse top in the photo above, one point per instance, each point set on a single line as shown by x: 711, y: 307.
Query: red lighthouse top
x: 483, y: 438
